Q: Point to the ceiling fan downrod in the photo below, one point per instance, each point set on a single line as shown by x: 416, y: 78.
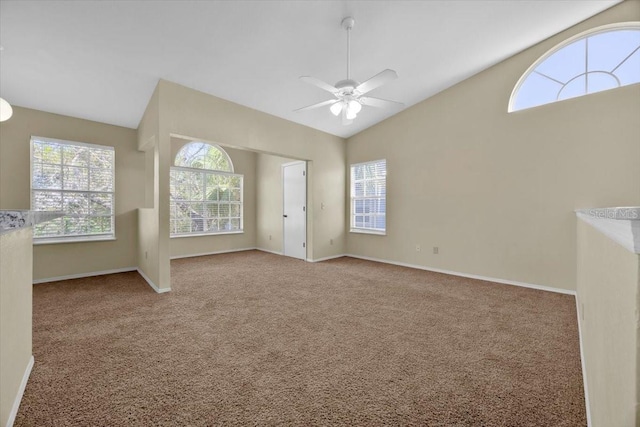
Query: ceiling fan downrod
x: 347, y: 24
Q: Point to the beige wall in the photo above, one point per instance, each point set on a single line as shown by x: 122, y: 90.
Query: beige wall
x: 196, y: 114
x: 62, y: 259
x: 496, y: 191
x: 179, y: 112
x: 269, y: 202
x: 244, y: 162
x: 608, y: 284
x: 149, y: 244
x: 16, y: 259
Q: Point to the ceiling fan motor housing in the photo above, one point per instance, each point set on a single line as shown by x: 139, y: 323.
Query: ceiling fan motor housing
x: 346, y: 87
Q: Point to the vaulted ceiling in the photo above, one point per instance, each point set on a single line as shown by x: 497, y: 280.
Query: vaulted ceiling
x: 101, y: 60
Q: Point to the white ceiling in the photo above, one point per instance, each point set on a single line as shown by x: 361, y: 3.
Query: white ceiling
x: 101, y: 60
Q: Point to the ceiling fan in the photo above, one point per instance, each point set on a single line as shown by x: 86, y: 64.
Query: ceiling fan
x: 349, y: 93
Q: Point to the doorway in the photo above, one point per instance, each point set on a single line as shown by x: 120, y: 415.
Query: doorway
x: 294, y: 212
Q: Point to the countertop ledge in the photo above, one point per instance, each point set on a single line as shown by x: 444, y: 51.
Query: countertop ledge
x: 11, y: 220
x: 622, y: 224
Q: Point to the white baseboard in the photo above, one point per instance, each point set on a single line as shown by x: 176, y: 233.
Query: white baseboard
x: 583, y: 365
x: 102, y: 273
x: 402, y: 264
x: 270, y: 251
x: 308, y: 259
x: 327, y: 258
x: 150, y: 282
x: 227, y: 251
x: 469, y: 276
x: 18, y: 399
x: 83, y: 275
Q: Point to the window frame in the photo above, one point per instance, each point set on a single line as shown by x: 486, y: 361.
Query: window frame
x: 73, y: 238
x: 353, y: 199
x: 629, y: 25
x: 204, y: 172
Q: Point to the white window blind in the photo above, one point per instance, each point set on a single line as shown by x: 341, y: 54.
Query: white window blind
x: 75, y: 178
x: 205, y: 201
x: 369, y: 196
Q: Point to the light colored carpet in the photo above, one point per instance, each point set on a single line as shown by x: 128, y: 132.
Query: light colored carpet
x: 253, y: 338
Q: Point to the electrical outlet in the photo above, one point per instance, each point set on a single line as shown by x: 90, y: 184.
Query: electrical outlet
x: 436, y: 250
x: 418, y: 248
x: 331, y: 241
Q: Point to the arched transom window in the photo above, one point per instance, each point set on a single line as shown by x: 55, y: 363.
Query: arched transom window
x: 600, y: 59
x: 201, y: 155
x: 206, y: 196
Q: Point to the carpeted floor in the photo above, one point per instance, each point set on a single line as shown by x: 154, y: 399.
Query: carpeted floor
x: 253, y: 338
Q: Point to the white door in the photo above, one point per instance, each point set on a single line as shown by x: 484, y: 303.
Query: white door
x: 294, y: 213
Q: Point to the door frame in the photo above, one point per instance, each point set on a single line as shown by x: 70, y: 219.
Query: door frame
x: 306, y: 203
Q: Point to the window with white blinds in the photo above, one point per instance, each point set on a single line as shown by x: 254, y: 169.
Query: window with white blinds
x: 206, y: 196
x: 369, y: 197
x: 78, y: 179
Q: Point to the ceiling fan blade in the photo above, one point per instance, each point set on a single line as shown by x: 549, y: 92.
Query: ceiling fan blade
x: 376, y: 81
x: 345, y: 121
x: 317, y: 82
x: 318, y: 105
x: 379, y: 103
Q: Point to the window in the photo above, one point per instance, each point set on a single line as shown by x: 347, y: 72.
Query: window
x: 600, y: 59
x: 206, y: 196
x: 75, y: 178
x: 369, y: 197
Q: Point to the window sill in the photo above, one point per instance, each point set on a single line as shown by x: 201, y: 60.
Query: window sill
x: 363, y: 231
x: 72, y: 240
x: 180, y: 236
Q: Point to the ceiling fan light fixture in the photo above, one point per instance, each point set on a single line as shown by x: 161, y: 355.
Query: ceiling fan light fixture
x: 5, y: 110
x: 354, y: 106
x: 336, y: 108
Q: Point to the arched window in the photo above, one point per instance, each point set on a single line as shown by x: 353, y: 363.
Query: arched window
x: 201, y: 155
x: 206, y: 196
x: 600, y: 59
